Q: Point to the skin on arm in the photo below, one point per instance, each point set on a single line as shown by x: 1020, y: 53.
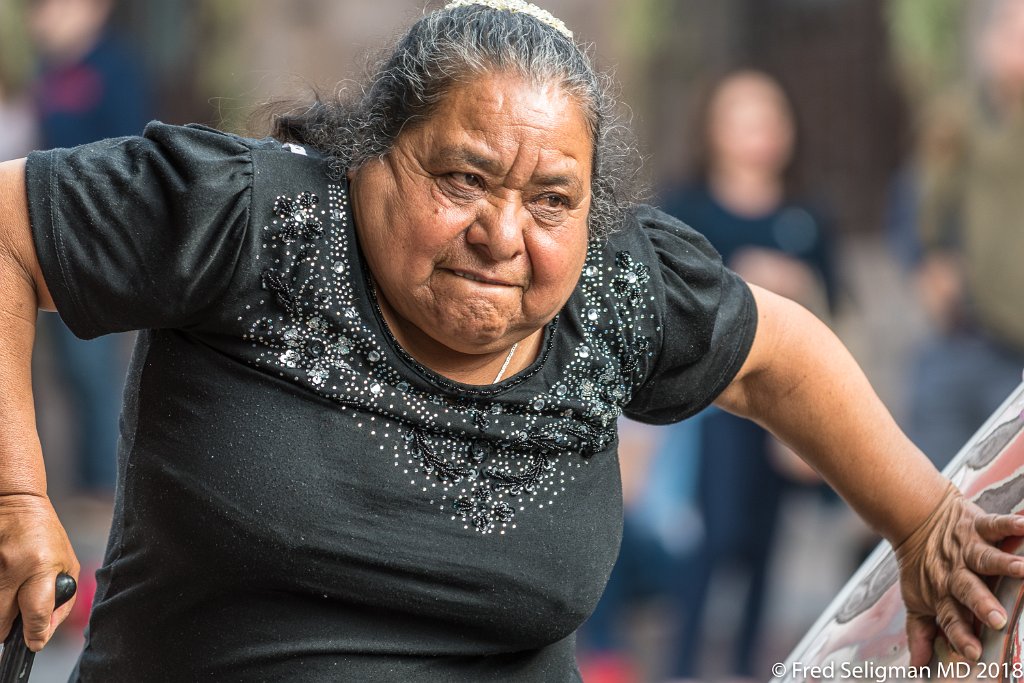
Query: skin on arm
x: 34, y: 547
x: 801, y: 383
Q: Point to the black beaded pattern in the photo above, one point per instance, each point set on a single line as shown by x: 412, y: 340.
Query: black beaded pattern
x: 479, y: 454
x: 298, y: 216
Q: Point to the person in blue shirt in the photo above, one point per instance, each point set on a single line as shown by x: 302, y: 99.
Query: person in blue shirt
x: 740, y: 197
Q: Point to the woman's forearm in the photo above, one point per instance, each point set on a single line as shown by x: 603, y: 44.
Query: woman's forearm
x: 33, y: 545
x: 21, y: 461
x: 802, y: 384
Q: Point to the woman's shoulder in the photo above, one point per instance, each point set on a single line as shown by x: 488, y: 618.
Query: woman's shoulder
x: 202, y: 139
x: 652, y: 261
x: 173, y: 151
x: 684, y: 318
x: 226, y: 162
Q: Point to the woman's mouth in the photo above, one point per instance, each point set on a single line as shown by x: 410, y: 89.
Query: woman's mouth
x: 478, y: 277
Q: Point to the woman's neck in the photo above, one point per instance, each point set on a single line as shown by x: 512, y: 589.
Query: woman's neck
x: 746, y: 192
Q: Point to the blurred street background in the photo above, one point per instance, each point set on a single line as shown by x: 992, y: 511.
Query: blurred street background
x: 864, y: 157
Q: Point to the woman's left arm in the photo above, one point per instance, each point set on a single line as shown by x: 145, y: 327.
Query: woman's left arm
x: 801, y: 383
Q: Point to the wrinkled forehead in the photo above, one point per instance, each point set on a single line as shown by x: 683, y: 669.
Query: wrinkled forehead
x: 499, y: 121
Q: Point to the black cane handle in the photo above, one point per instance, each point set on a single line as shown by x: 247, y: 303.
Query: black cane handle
x: 16, y: 659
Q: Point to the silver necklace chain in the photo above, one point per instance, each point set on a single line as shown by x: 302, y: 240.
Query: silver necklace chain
x: 504, y: 366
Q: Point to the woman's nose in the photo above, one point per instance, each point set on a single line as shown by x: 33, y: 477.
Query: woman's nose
x: 498, y: 230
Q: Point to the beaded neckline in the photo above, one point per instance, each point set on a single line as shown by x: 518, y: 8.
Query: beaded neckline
x: 482, y: 454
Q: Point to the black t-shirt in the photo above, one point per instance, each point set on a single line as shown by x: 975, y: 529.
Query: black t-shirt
x: 299, y: 499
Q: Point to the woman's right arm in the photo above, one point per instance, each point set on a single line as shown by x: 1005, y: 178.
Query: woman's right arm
x: 34, y: 547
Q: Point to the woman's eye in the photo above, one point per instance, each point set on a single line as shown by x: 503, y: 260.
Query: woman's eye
x: 467, y: 180
x: 553, y: 201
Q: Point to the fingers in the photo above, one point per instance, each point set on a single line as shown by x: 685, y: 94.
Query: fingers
x: 973, y: 594
x: 58, y: 617
x: 35, y: 600
x: 921, y: 632
x: 955, y: 621
x: 14, y: 604
x: 8, y: 610
x: 994, y: 528
x: 33, y: 549
x: 990, y: 561
x: 940, y: 575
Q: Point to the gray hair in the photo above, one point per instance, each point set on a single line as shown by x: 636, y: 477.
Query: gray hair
x: 450, y: 46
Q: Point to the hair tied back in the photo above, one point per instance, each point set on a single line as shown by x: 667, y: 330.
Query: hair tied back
x: 520, y: 6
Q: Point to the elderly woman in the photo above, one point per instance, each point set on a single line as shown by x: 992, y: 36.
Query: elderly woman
x: 369, y: 430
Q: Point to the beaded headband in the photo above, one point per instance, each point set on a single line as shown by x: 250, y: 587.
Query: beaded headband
x: 541, y: 15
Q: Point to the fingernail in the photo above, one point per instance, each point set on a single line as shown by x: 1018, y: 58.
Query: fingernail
x: 996, y: 619
x: 1017, y: 568
x: 972, y: 653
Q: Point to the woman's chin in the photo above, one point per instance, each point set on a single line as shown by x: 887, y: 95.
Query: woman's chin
x: 472, y: 329
x: 474, y: 341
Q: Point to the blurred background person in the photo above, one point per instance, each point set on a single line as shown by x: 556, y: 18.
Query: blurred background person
x: 970, y: 171
x: 742, y: 199
x: 88, y: 87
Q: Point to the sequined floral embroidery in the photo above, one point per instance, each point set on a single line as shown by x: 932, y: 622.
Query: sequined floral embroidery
x: 631, y: 281
x: 297, y: 216
x: 481, y: 458
x: 480, y: 509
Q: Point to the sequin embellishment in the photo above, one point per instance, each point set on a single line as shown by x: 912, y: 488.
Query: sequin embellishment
x: 631, y: 281
x: 298, y: 217
x: 481, y: 459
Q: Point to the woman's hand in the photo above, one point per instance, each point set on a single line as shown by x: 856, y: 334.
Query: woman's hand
x: 34, y: 548
x: 941, y: 563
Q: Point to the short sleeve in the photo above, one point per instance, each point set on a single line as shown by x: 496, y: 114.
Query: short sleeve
x: 707, y: 319
x: 140, y: 232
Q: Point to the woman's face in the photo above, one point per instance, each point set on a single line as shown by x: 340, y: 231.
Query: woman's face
x: 750, y: 125
x: 475, y: 224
